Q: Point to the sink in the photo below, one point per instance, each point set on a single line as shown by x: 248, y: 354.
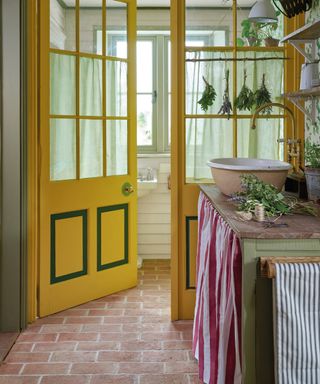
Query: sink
x: 146, y: 186
x: 226, y: 172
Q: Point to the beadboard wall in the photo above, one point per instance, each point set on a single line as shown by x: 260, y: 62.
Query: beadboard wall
x: 154, y: 220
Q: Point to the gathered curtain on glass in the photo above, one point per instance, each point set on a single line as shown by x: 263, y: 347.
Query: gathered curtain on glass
x: 208, y: 138
x: 63, y: 130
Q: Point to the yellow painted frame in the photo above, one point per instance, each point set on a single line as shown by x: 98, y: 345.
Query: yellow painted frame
x: 184, y: 196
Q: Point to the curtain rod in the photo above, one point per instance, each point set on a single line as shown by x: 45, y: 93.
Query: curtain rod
x: 240, y: 59
x: 267, y: 264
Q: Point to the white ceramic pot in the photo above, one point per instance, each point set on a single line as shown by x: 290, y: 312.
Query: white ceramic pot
x: 309, y: 72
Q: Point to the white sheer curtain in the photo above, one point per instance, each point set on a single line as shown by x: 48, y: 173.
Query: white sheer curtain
x: 213, y: 138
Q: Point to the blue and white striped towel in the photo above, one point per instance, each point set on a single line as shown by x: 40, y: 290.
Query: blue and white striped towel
x: 297, y: 323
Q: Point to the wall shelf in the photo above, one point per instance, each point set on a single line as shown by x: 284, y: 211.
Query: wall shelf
x: 308, y: 34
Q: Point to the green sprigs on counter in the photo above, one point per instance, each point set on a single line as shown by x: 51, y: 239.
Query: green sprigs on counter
x: 263, y: 96
x: 255, y: 191
x: 208, y: 96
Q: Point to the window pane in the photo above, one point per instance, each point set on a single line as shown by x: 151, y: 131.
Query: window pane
x: 116, y: 22
x: 91, y: 148
x: 62, y: 149
x: 215, y: 23
x: 90, y: 20
x: 117, y: 147
x: 90, y: 87
x: 117, y: 88
x: 144, y: 119
x: 261, y: 142
x: 215, y: 74
x: 62, y: 84
x: 145, y: 66
x: 62, y: 25
x: 206, y: 139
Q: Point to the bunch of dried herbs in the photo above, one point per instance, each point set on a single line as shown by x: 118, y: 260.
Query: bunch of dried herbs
x: 245, y: 99
x: 263, y: 96
x: 226, y: 107
x: 208, y: 96
x: 255, y: 191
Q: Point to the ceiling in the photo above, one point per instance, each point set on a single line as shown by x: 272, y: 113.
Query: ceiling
x: 161, y: 3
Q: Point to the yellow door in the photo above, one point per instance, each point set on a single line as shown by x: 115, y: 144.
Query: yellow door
x: 87, y: 136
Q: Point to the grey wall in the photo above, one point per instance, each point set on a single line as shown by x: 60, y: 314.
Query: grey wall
x: 11, y: 268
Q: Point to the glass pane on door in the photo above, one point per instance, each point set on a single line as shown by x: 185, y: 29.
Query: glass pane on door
x: 117, y: 88
x: 91, y: 148
x: 63, y: 25
x: 90, y: 23
x: 90, y: 87
x: 62, y: 149
x: 62, y: 84
x: 117, y: 26
x: 117, y: 147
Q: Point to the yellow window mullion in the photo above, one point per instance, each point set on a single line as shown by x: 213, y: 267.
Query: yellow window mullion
x: 104, y: 87
x: 78, y: 87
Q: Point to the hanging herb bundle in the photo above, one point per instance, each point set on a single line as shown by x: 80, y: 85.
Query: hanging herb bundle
x: 263, y: 96
x: 208, y: 96
x: 245, y: 99
x: 226, y: 107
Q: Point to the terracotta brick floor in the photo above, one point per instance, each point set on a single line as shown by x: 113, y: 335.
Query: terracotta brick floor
x: 126, y: 338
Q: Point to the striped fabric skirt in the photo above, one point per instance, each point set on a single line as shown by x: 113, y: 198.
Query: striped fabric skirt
x: 217, y: 320
x: 297, y: 323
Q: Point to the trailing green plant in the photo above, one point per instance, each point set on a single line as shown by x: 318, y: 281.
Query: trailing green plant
x: 312, y: 154
x: 245, y: 99
x: 208, y: 96
x: 250, y: 32
x: 263, y: 96
x: 255, y: 191
x: 226, y: 107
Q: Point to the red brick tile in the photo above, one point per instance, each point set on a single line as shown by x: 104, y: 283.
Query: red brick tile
x: 84, y: 320
x: 194, y: 379
x: 32, y: 329
x: 106, y: 312
x: 102, y: 328
x: 142, y: 312
x: 117, y: 298
x: 140, y: 368
x: 94, y: 368
x: 176, y: 344
x: 98, y: 346
x: 114, y: 379
x: 45, y: 369
x: 72, y: 312
x: 22, y: 347
x: 140, y: 327
x: 60, y: 328
x: 61, y: 379
x: 119, y: 356
x: 140, y: 345
x: 161, y: 336
x: 27, y: 357
x: 178, y: 326
x: 51, y: 347
x: 78, y: 336
x: 70, y: 357
x: 35, y: 337
x: 49, y: 320
x: 10, y: 369
x: 19, y: 380
x: 181, y: 366
x: 164, y: 379
x: 164, y: 356
x: 186, y: 335
x: 126, y: 305
x: 119, y: 336
x: 121, y: 319
x: 93, y: 305
x: 152, y: 305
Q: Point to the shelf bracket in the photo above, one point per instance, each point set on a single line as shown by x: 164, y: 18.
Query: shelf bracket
x: 301, y: 106
x: 297, y: 44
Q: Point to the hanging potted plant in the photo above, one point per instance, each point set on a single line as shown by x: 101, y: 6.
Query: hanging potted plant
x: 266, y: 32
x: 312, y: 170
x: 249, y: 34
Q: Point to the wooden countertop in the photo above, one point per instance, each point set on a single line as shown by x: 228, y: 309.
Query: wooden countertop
x: 299, y: 226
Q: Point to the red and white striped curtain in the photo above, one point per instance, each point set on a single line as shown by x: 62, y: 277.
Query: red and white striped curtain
x: 217, y: 321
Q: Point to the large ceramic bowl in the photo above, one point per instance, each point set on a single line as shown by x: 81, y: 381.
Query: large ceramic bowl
x: 226, y: 172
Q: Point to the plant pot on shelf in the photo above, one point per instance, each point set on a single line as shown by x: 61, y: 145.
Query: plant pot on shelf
x: 271, y: 42
x: 252, y: 41
x: 313, y: 183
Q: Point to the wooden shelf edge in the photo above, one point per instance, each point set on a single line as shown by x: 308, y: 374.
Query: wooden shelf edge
x: 309, y: 31
x: 304, y: 93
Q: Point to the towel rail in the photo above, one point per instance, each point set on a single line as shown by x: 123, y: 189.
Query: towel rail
x: 267, y: 264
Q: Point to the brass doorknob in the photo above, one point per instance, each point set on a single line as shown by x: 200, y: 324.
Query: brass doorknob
x: 127, y: 189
